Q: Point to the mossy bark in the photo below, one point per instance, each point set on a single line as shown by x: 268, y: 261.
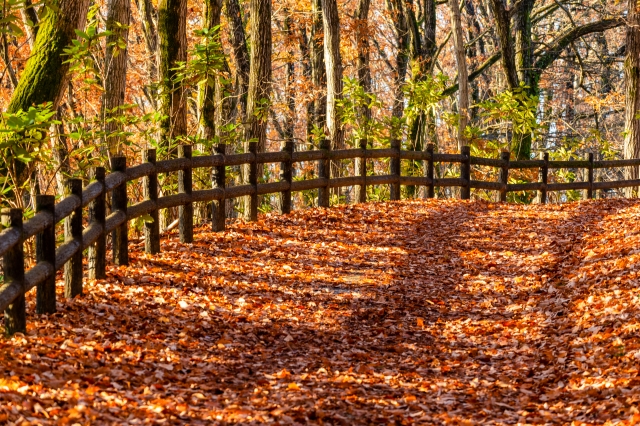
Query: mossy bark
x: 45, y: 76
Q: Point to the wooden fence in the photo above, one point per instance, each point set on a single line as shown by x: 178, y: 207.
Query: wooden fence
x: 69, y: 255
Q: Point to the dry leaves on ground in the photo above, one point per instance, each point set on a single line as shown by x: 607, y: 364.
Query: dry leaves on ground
x: 410, y: 312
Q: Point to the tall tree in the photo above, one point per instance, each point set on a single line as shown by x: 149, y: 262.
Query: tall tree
x: 463, y: 75
x: 402, y: 39
x: 45, y: 76
x: 318, y: 68
x: 632, y: 89
x: 422, y: 27
x: 259, y: 92
x: 400, y: 22
x: 364, y: 71
x: 290, y: 71
x: 116, y: 57
x: 206, y: 95
x: 362, y: 34
x: 503, y: 28
x: 333, y: 62
x: 172, y: 34
x: 146, y: 14
x: 524, y: 42
x: 305, y: 65
x: 476, y: 49
x: 240, y: 54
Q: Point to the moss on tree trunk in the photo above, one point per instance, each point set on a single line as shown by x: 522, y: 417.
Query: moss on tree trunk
x: 45, y: 75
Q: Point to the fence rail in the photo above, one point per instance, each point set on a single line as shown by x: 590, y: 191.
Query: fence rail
x: 69, y: 255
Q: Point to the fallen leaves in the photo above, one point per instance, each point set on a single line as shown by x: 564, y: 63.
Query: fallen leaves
x: 409, y: 312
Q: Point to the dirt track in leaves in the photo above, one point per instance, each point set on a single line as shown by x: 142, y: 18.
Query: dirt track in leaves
x: 442, y: 312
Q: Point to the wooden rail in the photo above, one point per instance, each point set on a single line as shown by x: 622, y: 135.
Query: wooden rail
x: 69, y: 255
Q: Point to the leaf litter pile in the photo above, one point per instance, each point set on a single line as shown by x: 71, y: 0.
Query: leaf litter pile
x: 414, y: 312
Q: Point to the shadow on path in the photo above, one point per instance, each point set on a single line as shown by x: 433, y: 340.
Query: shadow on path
x: 410, y: 312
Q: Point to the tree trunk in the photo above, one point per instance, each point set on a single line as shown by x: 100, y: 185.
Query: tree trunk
x: 290, y: 75
x: 305, y: 62
x: 45, y: 76
x: 207, y: 95
x: 463, y: 74
x: 423, y: 49
x: 240, y: 54
x: 318, y: 68
x: 524, y: 44
x: 259, y: 92
x: 474, y: 33
x: 172, y: 34
x: 30, y: 19
x: 632, y: 84
x: 146, y: 12
x: 364, y: 73
x: 115, y: 80
x: 7, y: 60
x: 333, y: 61
x: 399, y: 18
x: 503, y: 28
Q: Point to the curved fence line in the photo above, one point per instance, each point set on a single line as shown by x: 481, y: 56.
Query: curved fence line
x: 69, y: 255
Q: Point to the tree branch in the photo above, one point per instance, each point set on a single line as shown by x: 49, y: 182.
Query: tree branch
x: 547, y: 56
x: 475, y: 74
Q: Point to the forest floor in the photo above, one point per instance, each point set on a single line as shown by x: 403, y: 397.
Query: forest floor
x: 416, y: 312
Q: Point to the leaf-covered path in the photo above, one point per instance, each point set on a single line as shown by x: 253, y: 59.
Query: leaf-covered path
x: 410, y: 313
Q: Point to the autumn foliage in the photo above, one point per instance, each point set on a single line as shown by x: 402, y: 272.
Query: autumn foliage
x: 413, y: 312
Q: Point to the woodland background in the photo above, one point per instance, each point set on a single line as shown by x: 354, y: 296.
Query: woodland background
x: 116, y: 77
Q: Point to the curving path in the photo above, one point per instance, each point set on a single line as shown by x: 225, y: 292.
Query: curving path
x: 423, y: 312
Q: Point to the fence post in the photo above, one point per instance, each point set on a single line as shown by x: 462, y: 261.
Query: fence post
x: 544, y: 175
x: 120, y: 237
x: 394, y: 169
x: 287, y: 176
x: 97, y: 213
x: 465, y: 172
x: 362, y: 172
x: 324, y: 171
x: 73, y: 231
x: 504, y: 174
x: 429, y: 172
x: 15, y: 315
x: 46, y: 252
x: 590, y: 190
x: 185, y: 186
x: 150, y: 189
x: 253, y: 181
x: 218, y: 178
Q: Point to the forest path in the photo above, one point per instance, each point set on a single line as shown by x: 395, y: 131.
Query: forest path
x: 413, y: 312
